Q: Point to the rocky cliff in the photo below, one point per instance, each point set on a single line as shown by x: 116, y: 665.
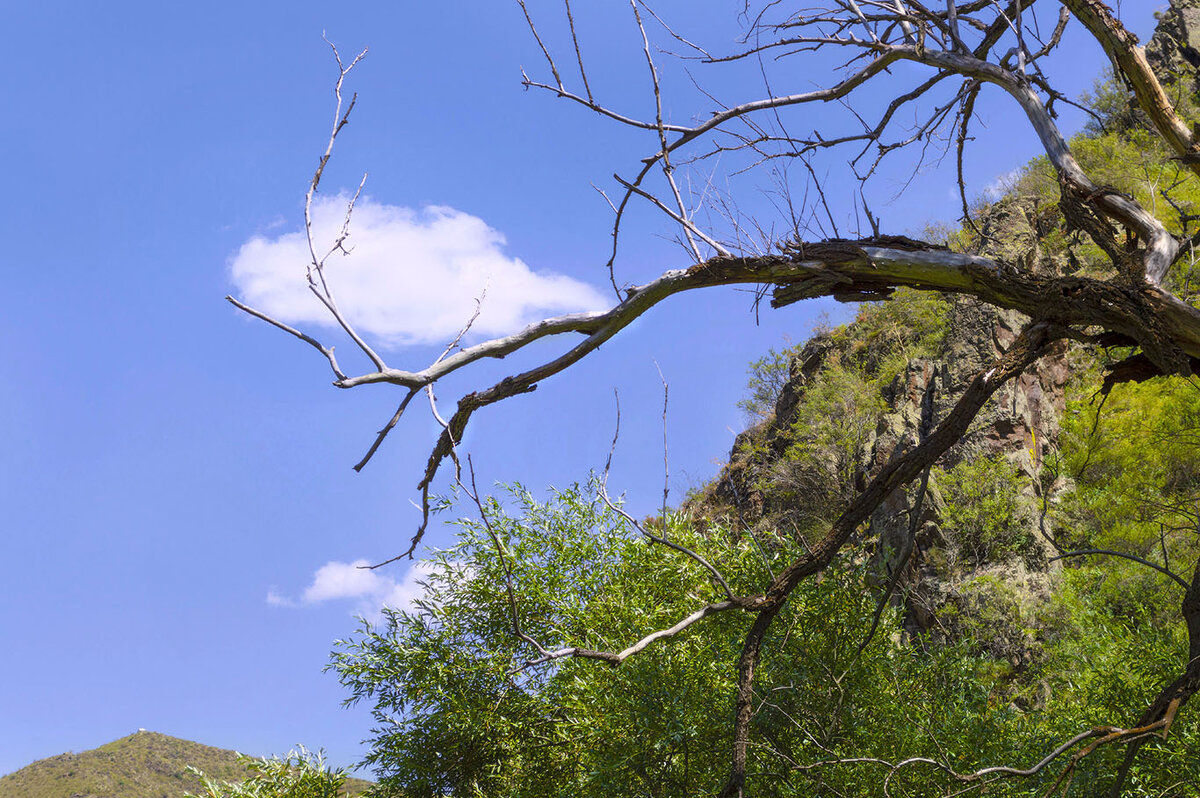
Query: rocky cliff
x: 1174, y: 49
x: 975, y: 536
x: 847, y: 409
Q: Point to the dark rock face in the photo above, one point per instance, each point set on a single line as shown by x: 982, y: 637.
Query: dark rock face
x: 932, y: 566
x: 1019, y: 426
x: 932, y: 561
x: 1174, y: 49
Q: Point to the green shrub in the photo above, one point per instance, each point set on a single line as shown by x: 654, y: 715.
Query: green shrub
x: 982, y: 512
x: 300, y: 774
x: 768, y: 375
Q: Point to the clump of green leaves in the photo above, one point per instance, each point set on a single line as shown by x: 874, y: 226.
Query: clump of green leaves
x: 832, y: 426
x: 883, y: 337
x: 1134, y: 459
x: 300, y: 774
x: 982, y: 514
x: 459, y: 710
x: 768, y: 375
x: 886, y: 335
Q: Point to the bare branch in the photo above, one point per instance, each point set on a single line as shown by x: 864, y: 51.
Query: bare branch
x: 633, y: 522
x: 1129, y: 60
x: 387, y: 428
x: 529, y: 83
x: 685, y: 223
x: 316, y: 267
x: 327, y: 351
x: 1082, y: 552
x: 549, y: 60
x: 666, y: 464
x: 1100, y: 736
x: 641, y: 645
x: 578, y: 52
x: 667, y: 169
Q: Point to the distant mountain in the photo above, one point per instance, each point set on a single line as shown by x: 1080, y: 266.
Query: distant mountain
x: 142, y: 765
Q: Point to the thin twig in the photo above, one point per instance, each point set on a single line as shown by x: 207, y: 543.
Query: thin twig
x: 327, y: 351
x: 578, y: 54
x: 685, y: 223
x: 387, y: 428
x: 667, y: 169
x: 545, y: 52
x: 666, y: 463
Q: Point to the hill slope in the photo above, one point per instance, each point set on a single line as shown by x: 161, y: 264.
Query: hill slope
x: 142, y: 765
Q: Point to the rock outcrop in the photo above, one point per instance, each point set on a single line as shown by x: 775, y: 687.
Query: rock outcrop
x: 968, y: 550
x: 1174, y: 49
x: 782, y: 479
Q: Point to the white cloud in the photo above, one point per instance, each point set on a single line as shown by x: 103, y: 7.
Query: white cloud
x: 339, y: 580
x: 276, y: 599
x: 412, y: 276
x: 369, y: 590
x: 1002, y: 183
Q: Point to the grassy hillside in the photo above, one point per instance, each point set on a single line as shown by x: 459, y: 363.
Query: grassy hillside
x: 142, y: 765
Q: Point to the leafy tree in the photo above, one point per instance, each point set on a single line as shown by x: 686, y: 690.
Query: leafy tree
x: 461, y: 708
x: 768, y: 375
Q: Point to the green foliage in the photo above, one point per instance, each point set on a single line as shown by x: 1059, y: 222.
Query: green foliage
x: 1110, y: 101
x: 1122, y: 153
x: 1135, y: 462
x: 886, y: 335
x: 983, y: 509
x: 460, y: 711
x: 300, y: 774
x: 442, y: 678
x: 768, y: 375
x: 883, y: 337
x: 830, y: 430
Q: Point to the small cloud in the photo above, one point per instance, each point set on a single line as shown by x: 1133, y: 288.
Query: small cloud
x: 1002, y: 184
x: 412, y: 276
x: 369, y: 590
x: 340, y: 580
x: 277, y: 600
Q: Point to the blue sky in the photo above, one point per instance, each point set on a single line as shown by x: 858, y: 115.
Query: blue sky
x: 180, y: 511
